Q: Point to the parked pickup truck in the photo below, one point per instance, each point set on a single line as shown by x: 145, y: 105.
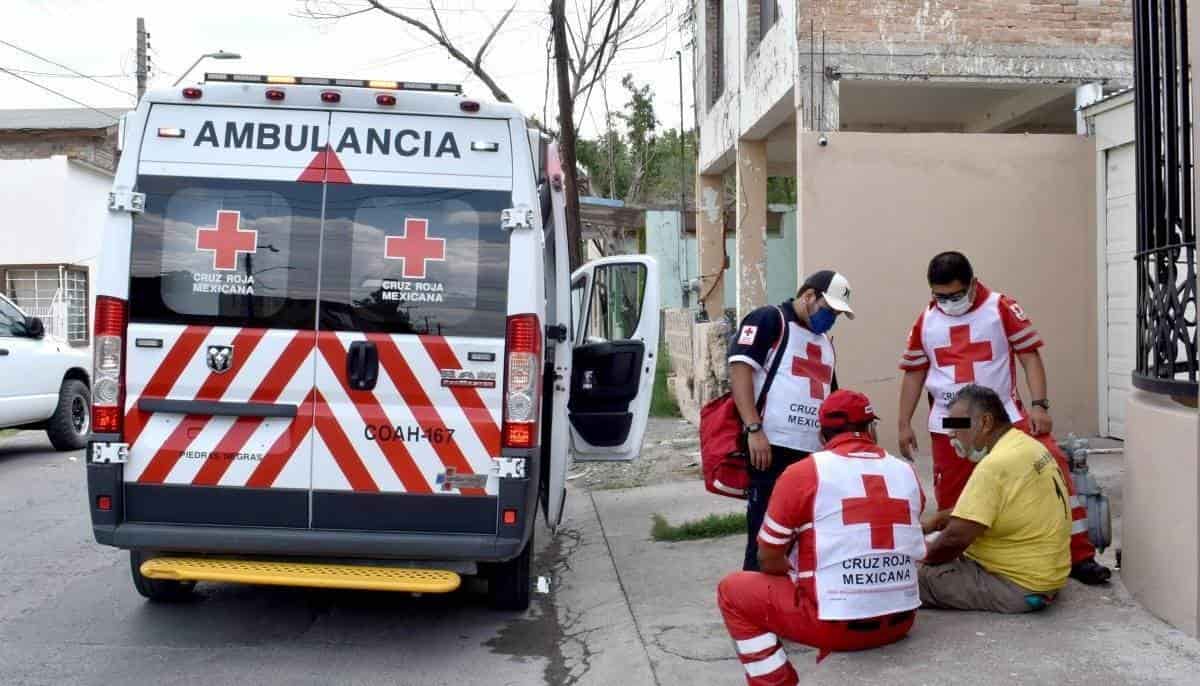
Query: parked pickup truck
x: 43, y: 382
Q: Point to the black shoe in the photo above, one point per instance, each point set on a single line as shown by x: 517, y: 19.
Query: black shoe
x: 1090, y: 572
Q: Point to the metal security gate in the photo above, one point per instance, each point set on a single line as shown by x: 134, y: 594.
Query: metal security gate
x: 56, y: 294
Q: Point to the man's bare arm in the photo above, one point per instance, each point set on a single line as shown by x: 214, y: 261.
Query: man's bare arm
x: 1035, y: 376
x: 910, y: 395
x: 958, y: 535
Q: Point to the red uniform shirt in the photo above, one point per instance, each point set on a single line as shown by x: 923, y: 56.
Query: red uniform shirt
x: 1020, y: 332
x: 788, y: 523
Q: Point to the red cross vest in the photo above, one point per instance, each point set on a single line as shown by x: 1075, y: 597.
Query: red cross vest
x: 804, y: 379
x: 867, y: 531
x: 971, y: 348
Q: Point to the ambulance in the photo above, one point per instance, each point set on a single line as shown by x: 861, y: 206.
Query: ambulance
x: 337, y: 341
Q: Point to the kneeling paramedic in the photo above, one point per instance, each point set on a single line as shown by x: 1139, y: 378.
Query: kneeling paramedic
x: 837, y: 550
x: 783, y: 358
x: 1005, y: 547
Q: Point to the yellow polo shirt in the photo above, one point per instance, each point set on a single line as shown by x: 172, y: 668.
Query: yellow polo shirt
x: 1018, y: 493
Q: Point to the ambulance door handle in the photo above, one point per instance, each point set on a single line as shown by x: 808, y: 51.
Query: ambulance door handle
x: 362, y: 365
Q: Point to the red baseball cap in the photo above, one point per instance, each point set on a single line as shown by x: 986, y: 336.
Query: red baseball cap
x: 844, y: 407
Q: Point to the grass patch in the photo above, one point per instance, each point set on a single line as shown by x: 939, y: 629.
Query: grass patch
x: 712, y: 526
x: 662, y: 403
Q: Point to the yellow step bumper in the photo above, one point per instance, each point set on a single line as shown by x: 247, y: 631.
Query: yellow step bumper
x: 306, y: 574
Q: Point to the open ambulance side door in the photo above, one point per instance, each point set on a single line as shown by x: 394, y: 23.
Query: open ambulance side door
x: 615, y: 308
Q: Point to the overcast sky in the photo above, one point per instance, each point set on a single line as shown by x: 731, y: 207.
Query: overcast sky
x: 97, y: 37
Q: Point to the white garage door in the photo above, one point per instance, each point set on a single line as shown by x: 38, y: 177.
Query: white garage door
x: 1120, y: 243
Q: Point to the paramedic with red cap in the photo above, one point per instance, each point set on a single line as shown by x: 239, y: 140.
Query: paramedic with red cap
x: 837, y: 551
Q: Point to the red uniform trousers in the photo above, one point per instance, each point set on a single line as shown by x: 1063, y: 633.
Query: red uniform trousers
x: 950, y: 474
x: 759, y: 609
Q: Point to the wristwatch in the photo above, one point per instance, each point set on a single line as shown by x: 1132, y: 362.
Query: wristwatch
x: 1042, y: 403
x: 754, y: 428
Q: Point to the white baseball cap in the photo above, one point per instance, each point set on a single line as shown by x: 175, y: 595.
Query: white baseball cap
x: 835, y: 287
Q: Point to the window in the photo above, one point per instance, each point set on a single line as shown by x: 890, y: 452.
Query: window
x: 10, y: 316
x: 714, y: 25
x: 615, y: 307
x: 415, y: 260
x: 56, y: 294
x: 226, y: 252
x: 760, y: 17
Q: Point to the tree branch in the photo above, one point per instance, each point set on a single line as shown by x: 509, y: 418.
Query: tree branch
x: 495, y: 29
x: 444, y: 41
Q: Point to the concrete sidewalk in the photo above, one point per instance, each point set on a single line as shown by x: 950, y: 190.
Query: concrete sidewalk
x: 634, y: 611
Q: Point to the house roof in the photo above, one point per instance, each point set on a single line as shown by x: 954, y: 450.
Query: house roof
x: 62, y: 118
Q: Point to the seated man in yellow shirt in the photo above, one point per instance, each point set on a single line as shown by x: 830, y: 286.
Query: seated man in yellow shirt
x: 1005, y: 547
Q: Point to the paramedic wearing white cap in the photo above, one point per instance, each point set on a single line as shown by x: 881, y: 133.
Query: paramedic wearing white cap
x: 794, y: 365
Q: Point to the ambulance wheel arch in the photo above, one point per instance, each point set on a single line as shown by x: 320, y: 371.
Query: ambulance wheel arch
x: 615, y: 313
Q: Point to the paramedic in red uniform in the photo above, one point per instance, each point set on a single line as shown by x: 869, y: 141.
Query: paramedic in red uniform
x: 781, y: 428
x: 837, y: 550
x: 972, y: 334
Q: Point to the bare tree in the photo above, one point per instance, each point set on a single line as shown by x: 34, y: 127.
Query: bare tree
x: 316, y: 9
x: 597, y: 31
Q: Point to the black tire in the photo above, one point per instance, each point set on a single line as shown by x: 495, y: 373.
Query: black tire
x: 157, y: 590
x: 509, y: 583
x: 72, y: 421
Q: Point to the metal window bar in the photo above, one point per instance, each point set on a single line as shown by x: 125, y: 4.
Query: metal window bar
x: 1166, y: 361
x: 57, y: 295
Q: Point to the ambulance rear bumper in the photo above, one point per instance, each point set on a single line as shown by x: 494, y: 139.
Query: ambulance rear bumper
x: 307, y: 543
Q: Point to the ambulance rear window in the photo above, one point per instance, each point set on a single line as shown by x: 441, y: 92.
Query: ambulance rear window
x: 226, y: 252
x: 415, y: 260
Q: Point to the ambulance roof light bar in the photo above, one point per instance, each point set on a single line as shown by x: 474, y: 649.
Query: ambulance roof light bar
x: 424, y: 86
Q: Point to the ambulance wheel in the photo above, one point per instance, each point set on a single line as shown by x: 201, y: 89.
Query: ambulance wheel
x: 157, y: 590
x: 509, y: 584
x: 68, y: 428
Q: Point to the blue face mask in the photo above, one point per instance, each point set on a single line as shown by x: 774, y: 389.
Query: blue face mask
x: 822, y: 320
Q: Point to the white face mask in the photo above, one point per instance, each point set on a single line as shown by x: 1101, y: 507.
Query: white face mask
x: 957, y: 307
x: 974, y: 455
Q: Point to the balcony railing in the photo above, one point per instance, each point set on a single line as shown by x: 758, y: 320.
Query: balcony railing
x: 1166, y: 232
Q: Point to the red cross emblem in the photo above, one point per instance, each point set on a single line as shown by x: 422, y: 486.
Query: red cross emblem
x: 415, y: 247
x: 962, y: 353
x: 226, y: 240
x: 877, y: 509
x: 819, y: 375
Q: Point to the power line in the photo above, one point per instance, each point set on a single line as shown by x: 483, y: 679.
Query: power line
x: 63, y: 66
x: 61, y: 95
x: 58, y: 74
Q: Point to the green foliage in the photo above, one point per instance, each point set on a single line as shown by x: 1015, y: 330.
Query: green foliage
x: 712, y: 526
x: 662, y: 403
x: 636, y: 161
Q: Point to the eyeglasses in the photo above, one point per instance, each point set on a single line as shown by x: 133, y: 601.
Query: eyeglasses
x: 950, y: 297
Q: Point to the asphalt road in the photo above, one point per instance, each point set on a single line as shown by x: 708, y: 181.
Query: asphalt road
x: 69, y: 613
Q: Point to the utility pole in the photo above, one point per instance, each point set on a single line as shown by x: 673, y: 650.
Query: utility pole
x: 682, y: 183
x: 143, y: 66
x: 566, y: 138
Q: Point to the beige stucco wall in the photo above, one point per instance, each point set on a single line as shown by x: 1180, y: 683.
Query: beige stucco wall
x: 878, y: 206
x: 1161, y: 517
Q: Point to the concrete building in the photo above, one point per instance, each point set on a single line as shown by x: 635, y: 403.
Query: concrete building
x: 911, y: 127
x: 56, y: 170
x: 1146, y: 257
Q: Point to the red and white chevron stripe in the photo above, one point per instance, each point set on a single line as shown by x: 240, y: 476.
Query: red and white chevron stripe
x: 325, y: 447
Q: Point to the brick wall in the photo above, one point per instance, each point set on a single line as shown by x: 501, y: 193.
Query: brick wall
x: 95, y: 147
x: 1016, y: 22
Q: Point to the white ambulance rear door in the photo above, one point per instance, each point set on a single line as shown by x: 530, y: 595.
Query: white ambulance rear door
x: 615, y: 308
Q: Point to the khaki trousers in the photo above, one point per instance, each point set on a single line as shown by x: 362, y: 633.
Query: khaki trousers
x: 964, y: 584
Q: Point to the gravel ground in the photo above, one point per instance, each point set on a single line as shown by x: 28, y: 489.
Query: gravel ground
x: 670, y: 452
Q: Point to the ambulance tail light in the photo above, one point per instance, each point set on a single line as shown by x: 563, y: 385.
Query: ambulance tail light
x: 108, y: 372
x: 522, y: 381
